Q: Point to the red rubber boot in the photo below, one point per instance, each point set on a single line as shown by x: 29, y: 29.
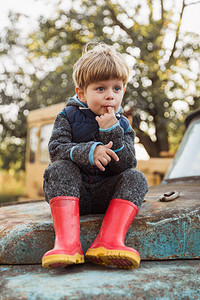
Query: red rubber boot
x: 108, y: 247
x: 67, y: 249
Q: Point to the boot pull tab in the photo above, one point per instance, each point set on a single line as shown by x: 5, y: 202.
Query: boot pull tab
x: 169, y: 196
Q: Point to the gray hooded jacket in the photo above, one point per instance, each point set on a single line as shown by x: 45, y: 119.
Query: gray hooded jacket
x: 69, y: 140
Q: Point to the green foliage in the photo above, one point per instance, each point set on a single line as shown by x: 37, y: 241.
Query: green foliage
x: 159, y: 75
x: 162, y: 73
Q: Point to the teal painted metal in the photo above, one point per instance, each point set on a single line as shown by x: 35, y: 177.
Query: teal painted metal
x: 162, y: 230
x: 175, y: 237
x: 152, y: 280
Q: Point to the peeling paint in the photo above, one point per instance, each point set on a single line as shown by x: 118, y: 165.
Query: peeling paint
x: 153, y: 280
x: 162, y: 230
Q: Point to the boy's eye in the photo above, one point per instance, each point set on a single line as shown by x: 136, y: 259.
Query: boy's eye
x: 101, y: 89
x: 117, y: 88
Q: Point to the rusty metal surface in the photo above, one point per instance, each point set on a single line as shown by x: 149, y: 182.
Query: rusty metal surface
x: 162, y: 230
x: 152, y: 280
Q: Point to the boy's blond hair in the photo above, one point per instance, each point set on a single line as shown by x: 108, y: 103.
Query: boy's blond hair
x: 102, y: 62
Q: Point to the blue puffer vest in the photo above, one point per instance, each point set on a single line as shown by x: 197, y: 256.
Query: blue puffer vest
x: 85, y: 129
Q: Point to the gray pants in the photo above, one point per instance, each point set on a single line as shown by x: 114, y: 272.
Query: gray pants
x: 64, y: 178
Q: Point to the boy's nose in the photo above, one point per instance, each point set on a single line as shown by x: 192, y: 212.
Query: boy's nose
x: 109, y: 95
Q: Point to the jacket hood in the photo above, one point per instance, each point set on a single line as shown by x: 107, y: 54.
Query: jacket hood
x: 76, y: 102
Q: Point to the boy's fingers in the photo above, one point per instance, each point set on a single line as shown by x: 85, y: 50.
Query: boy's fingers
x: 107, y: 157
x: 97, y: 119
x: 113, y: 154
x: 99, y: 165
x: 104, y: 161
x: 109, y: 145
x: 110, y: 110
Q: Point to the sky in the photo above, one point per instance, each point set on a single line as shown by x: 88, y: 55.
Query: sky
x: 33, y: 9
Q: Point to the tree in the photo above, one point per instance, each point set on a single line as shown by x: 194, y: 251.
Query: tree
x: 161, y: 72
x: 14, y: 102
x: 162, y: 61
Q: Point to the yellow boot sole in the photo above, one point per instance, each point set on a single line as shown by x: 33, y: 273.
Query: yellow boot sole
x: 119, y: 258
x: 62, y: 260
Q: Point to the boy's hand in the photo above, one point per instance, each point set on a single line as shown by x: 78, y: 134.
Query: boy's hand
x: 102, y: 155
x: 108, y: 119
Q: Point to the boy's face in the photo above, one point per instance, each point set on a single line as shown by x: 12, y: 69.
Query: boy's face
x: 103, y: 94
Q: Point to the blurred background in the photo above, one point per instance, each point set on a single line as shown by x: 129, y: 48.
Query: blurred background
x: 39, y: 43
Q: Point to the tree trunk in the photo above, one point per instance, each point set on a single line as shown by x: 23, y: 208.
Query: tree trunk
x: 150, y: 146
x: 162, y: 136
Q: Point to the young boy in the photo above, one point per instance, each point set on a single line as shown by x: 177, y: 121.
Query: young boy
x: 93, y: 165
